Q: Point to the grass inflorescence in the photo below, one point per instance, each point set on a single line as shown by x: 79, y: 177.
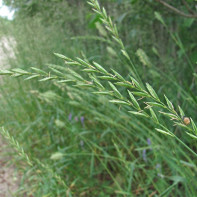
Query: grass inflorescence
x: 93, y: 127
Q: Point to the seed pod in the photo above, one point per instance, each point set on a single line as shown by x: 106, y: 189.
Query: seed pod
x: 186, y: 120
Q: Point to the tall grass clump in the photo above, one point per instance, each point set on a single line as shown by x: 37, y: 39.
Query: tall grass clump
x: 94, y: 128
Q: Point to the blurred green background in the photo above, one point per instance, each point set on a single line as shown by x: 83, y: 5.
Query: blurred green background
x: 102, y: 150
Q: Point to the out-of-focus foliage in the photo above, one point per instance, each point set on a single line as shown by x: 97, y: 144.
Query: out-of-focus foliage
x: 96, y: 147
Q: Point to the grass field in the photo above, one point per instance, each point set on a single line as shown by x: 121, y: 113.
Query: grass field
x: 101, y: 102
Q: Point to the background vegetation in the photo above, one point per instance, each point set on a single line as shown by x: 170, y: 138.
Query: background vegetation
x: 72, y: 142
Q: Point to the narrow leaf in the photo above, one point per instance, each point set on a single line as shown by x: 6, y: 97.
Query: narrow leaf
x: 65, y: 81
x: 159, y: 17
x: 155, y: 104
x: 118, y: 75
x: 152, y: 91
x: 117, y: 93
x: 107, y: 77
x: 164, y: 132
x: 154, y: 117
x: 191, y: 135
x: 181, y: 111
x: 97, y: 83
x: 134, y: 101
x: 5, y: 72
x: 169, y: 115
x: 57, y: 67
x: 62, y: 56
x: 72, y: 63
x: 104, y: 12
x: 143, y: 94
x: 84, y: 85
x: 180, y: 124
x: 194, y: 126
x: 16, y: 74
x: 138, y: 113
x: 124, y: 84
x: 47, y: 78
x: 83, y: 62
x: 170, y: 105
x: 125, y: 54
x: 90, y: 3
x: 31, y: 77
x: 39, y: 70
x: 100, y: 68
x: 76, y: 75
x: 135, y: 83
x: 90, y: 70
x: 104, y: 93
x: 19, y: 70
x: 119, y: 102
x: 57, y: 71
